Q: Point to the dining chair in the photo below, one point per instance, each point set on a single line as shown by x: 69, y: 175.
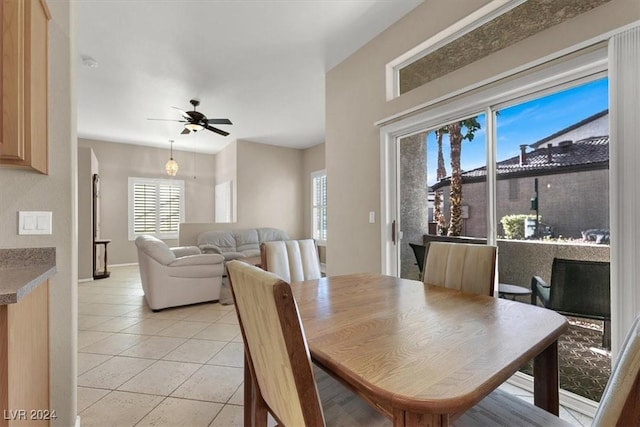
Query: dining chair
x: 463, y: 266
x: 419, y: 251
x: 278, y: 359
x: 619, y: 405
x: 578, y: 288
x: 292, y: 260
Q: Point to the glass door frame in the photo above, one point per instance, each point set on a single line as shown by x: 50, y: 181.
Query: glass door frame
x: 552, y: 78
x: 536, y: 83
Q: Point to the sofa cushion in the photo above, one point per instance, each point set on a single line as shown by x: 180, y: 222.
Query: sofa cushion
x: 155, y: 248
x: 247, y: 240
x: 224, y: 240
x: 228, y: 256
x: 210, y: 249
x: 267, y: 234
x: 200, y: 259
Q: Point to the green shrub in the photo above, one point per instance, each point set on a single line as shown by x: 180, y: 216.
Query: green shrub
x: 513, y: 225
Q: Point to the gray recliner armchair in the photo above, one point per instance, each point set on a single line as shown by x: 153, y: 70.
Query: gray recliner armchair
x: 177, y: 276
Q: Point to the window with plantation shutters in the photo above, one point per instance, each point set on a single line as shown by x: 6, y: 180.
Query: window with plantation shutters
x: 156, y: 207
x: 319, y: 205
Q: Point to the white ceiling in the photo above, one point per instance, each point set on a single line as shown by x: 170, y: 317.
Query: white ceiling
x: 260, y: 63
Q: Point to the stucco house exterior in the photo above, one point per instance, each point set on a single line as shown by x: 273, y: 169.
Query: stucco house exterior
x: 572, y: 168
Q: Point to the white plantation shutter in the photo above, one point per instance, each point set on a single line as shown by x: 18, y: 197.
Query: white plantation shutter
x: 156, y: 207
x: 144, y: 208
x: 169, y: 200
x: 319, y: 205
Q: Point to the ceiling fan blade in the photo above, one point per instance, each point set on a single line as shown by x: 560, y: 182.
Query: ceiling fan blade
x: 184, y: 113
x: 219, y: 121
x: 170, y: 120
x: 185, y: 131
x: 218, y: 131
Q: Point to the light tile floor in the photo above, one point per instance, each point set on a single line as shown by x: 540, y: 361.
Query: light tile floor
x: 181, y: 366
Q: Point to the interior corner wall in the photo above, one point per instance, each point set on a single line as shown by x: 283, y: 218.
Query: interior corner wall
x: 312, y: 161
x: 118, y: 162
x: 356, y: 99
x: 269, y: 187
x: 87, y: 166
x: 226, y: 162
x: 23, y: 190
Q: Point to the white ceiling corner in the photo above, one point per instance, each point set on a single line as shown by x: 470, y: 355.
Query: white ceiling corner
x: 260, y: 63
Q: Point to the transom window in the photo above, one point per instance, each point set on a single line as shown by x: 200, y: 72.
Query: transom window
x: 156, y: 207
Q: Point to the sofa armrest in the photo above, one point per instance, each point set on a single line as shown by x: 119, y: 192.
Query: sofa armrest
x: 201, y: 259
x: 181, y: 251
x: 229, y: 256
x: 210, y: 249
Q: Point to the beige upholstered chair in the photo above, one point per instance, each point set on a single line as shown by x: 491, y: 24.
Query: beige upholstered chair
x: 177, y: 276
x: 278, y: 358
x: 292, y: 260
x: 462, y: 266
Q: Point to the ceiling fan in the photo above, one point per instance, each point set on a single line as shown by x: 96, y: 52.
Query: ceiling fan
x: 195, y: 121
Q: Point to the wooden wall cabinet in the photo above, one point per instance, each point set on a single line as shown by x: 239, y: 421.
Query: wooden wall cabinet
x: 24, y: 88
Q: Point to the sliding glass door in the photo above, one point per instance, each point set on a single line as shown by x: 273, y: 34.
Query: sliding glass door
x: 529, y: 174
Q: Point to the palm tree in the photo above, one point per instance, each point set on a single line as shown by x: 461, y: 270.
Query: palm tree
x: 455, y: 195
x: 440, y: 174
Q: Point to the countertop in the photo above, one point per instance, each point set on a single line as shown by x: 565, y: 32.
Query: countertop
x: 22, y: 270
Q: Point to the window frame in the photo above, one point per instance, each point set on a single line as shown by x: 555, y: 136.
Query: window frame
x: 315, y: 233
x: 157, y: 182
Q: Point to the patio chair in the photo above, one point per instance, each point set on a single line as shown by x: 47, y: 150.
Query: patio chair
x: 278, y: 359
x: 463, y: 266
x: 579, y: 289
x: 618, y: 405
x: 419, y: 251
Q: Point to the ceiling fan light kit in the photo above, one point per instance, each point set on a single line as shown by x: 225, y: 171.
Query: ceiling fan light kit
x: 171, y: 167
x: 195, y: 121
x: 193, y: 127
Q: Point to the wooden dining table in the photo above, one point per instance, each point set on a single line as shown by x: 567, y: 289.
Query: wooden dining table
x: 423, y: 354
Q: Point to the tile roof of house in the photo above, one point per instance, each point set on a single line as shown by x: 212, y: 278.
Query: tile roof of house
x: 577, y: 125
x: 586, y: 154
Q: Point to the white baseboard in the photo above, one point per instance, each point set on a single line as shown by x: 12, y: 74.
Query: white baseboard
x: 123, y: 265
x: 77, y: 421
x: 567, y: 399
x: 85, y: 280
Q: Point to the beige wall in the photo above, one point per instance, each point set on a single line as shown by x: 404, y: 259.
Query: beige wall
x: 87, y: 166
x: 269, y: 187
x: 118, y: 162
x: 56, y: 192
x: 226, y: 170
x: 312, y: 161
x: 355, y: 99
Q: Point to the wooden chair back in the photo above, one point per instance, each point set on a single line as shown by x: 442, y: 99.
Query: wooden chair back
x: 462, y: 266
x: 275, y: 346
x: 292, y: 260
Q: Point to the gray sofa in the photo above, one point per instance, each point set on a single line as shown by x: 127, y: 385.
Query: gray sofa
x: 239, y: 244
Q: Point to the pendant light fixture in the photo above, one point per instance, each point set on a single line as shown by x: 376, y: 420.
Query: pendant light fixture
x: 171, y: 166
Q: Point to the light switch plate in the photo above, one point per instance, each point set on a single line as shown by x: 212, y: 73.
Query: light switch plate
x: 34, y: 222
x: 372, y: 217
